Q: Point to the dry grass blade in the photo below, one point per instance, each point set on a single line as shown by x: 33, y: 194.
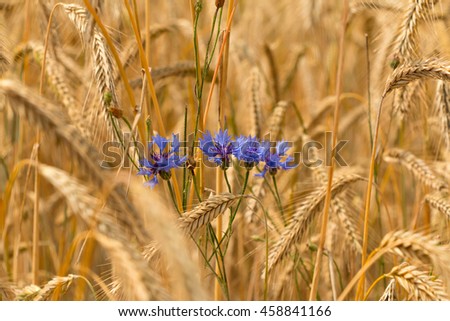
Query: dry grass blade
x: 303, y: 217
x: 419, y: 285
x: 207, y: 211
x: 417, y: 167
x: 429, y: 68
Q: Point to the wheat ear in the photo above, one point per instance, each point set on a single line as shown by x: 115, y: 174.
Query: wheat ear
x: 407, y: 34
x: 62, y: 282
x: 433, y: 68
x: 441, y: 108
x: 439, y: 201
x: 254, y: 84
x: 417, y: 167
x: 419, y: 246
x: 4, y: 53
x: 207, y: 211
x: 303, y: 217
x: 419, y: 285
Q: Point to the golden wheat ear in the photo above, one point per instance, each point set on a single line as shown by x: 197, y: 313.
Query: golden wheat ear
x: 419, y: 285
x: 304, y: 215
x: 207, y: 211
x: 44, y: 114
x: 423, y: 248
x: 103, y: 66
x: 433, y: 68
x: 417, y: 167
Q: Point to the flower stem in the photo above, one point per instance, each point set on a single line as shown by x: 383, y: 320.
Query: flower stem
x: 227, y: 181
x: 197, y: 191
x: 244, y: 187
x: 278, y: 198
x: 172, y: 195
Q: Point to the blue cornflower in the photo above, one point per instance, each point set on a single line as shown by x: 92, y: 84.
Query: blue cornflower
x: 218, y: 148
x: 273, y: 160
x: 248, y: 149
x: 161, y: 160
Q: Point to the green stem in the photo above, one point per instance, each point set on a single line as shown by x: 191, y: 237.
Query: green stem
x: 185, y: 174
x: 278, y: 199
x: 172, y: 196
x: 229, y: 230
x: 244, y: 187
x: 226, y: 180
x: 197, y: 191
x: 116, y: 131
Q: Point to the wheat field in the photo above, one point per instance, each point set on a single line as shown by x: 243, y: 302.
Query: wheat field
x: 224, y: 150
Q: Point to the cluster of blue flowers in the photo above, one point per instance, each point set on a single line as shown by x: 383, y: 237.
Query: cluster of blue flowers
x: 219, y: 149
x: 161, y: 159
